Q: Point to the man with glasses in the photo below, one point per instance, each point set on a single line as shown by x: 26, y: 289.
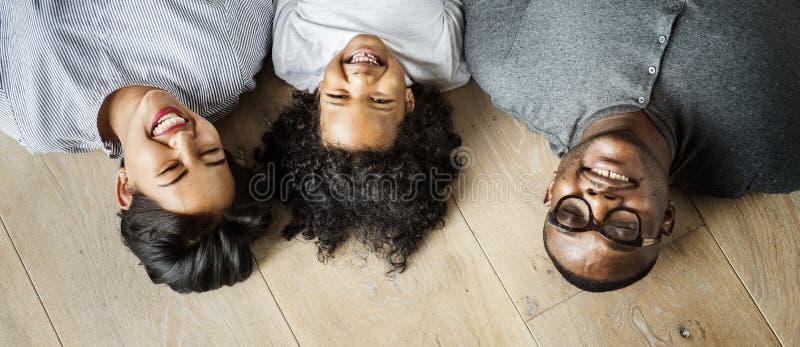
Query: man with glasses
x: 634, y: 97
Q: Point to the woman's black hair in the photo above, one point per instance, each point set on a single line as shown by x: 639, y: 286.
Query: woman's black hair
x: 389, y: 199
x: 196, y: 253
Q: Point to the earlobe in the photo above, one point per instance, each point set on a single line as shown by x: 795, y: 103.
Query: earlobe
x: 410, y: 102
x: 669, y: 220
x: 122, y: 190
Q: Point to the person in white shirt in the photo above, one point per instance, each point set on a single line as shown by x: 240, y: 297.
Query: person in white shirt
x: 366, y: 146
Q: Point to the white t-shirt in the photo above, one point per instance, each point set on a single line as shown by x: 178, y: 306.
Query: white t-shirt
x: 426, y: 37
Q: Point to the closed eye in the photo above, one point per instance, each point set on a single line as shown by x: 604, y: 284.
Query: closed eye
x: 625, y: 227
x: 572, y: 211
x: 169, y: 168
x: 381, y: 101
x: 210, y: 151
x: 337, y: 96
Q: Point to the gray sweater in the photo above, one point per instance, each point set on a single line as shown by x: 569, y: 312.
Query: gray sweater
x: 719, y: 79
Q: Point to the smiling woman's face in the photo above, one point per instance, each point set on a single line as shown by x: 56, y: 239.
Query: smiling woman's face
x: 173, y: 156
x: 363, y: 96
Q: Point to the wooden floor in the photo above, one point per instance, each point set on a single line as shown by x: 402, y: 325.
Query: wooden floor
x: 730, y: 275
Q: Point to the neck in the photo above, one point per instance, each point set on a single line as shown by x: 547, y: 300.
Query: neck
x: 115, y: 114
x: 638, y: 125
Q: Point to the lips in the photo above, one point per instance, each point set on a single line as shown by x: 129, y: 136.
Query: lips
x: 610, y: 174
x: 608, y: 178
x: 167, y: 120
x: 364, y: 56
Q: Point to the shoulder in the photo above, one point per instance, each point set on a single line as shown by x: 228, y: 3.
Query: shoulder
x: 491, y: 29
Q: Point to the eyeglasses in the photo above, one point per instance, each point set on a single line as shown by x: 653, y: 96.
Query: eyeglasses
x: 621, y: 225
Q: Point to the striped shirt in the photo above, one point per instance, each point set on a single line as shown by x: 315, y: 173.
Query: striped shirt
x: 59, y: 60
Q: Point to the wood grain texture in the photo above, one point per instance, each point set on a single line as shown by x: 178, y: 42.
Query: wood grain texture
x: 23, y: 321
x: 760, y: 236
x: 692, y: 287
x: 447, y: 296
x: 60, y: 212
x: 501, y: 193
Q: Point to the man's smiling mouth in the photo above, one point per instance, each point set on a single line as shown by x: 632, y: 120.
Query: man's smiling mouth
x: 610, y: 174
x: 608, y: 179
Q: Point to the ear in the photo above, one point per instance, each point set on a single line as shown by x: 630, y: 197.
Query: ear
x: 669, y: 219
x: 410, y: 103
x: 549, y: 192
x: 122, y: 189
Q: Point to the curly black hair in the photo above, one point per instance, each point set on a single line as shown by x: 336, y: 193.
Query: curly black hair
x: 196, y: 253
x: 389, y: 199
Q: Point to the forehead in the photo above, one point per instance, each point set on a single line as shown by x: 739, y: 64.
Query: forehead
x: 590, y: 255
x: 353, y: 127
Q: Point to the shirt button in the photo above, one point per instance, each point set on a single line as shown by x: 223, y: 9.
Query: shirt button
x: 651, y: 70
x: 641, y: 100
x: 662, y: 39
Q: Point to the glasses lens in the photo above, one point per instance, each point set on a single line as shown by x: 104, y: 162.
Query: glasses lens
x: 622, y: 225
x: 573, y: 213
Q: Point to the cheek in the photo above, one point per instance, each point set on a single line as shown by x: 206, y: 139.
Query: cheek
x: 146, y: 159
x: 332, y: 71
x: 563, y: 186
x: 206, y: 133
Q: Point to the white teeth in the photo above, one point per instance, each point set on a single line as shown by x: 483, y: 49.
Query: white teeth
x: 167, y: 122
x: 365, y: 58
x: 611, y: 175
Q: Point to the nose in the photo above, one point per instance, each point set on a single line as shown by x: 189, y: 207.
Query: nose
x: 601, y: 202
x: 184, y: 143
x: 360, y: 78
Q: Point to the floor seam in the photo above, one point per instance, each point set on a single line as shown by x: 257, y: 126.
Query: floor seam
x: 727, y: 259
x: 494, y: 270
x: 275, y: 300
x: 30, y: 280
x: 554, y: 306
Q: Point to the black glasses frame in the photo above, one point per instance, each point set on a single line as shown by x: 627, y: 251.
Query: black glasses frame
x: 593, y: 225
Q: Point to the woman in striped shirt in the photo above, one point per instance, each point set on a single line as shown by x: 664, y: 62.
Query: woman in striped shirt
x: 146, y: 78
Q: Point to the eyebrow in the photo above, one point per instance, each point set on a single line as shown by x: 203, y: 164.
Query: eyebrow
x: 184, y: 172
x: 384, y: 109
x: 618, y: 247
x: 216, y: 163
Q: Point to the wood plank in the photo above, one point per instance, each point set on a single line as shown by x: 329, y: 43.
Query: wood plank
x: 692, y: 287
x: 23, y: 321
x: 447, y: 296
x: 760, y: 236
x: 59, y: 210
x: 501, y: 193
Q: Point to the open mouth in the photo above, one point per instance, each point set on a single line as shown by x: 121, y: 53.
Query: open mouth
x: 610, y: 174
x: 166, y: 121
x: 609, y: 178
x: 364, y: 56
